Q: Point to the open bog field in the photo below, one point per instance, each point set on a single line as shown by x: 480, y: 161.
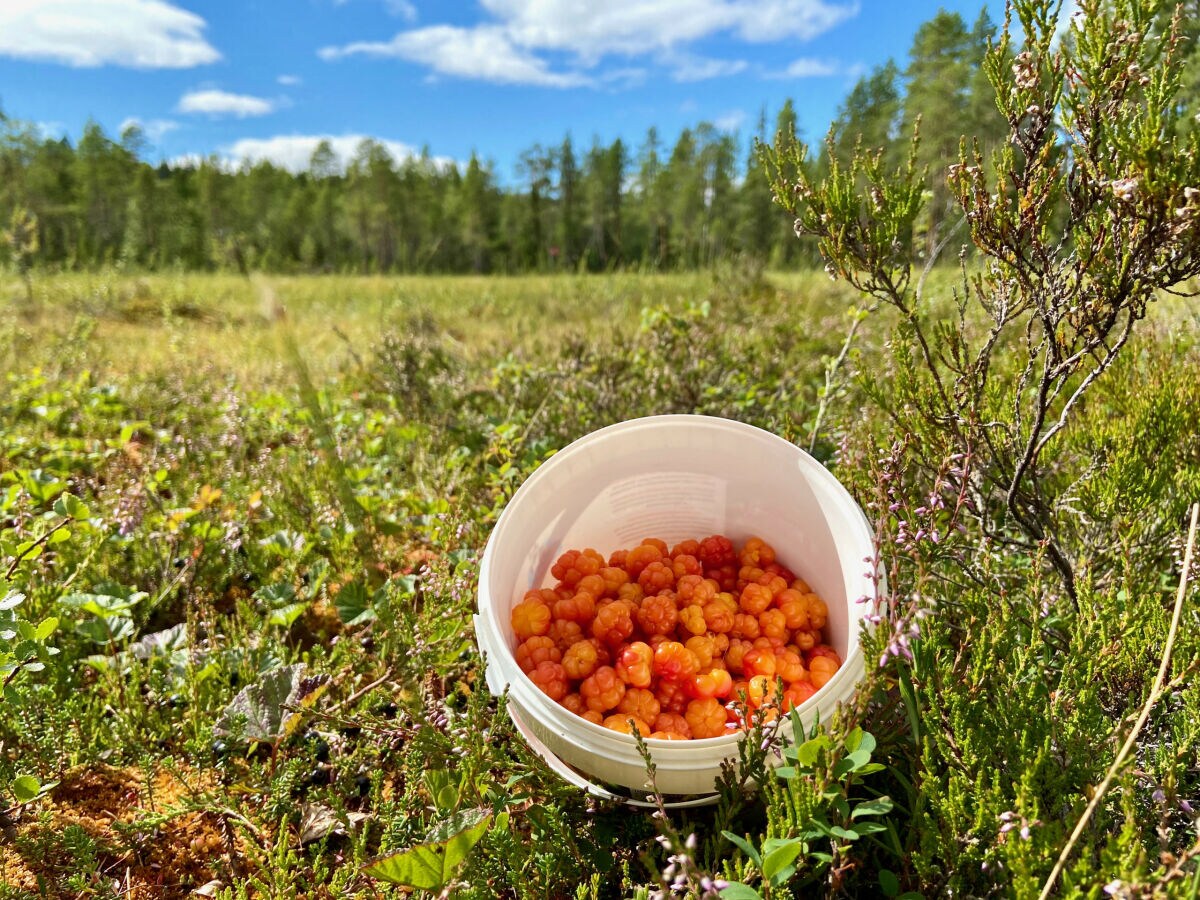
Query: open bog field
x: 240, y: 527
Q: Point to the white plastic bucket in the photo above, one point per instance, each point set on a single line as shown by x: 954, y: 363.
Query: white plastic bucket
x: 673, y: 478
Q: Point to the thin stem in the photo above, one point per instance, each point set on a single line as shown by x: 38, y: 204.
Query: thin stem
x: 1155, y: 693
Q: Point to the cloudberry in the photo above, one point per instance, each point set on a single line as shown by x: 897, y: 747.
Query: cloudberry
x: 706, y: 718
x: 574, y: 703
x: 530, y: 617
x: 773, y: 583
x: 736, y: 654
x: 773, y: 623
x: 713, y: 683
x: 755, y: 598
x: 794, y: 608
x: 565, y: 633
x: 602, y: 690
x: 756, y: 552
x: 672, y: 722
x: 672, y: 696
x: 655, y: 542
x: 614, y: 622
x: 627, y: 724
x: 535, y: 650
x: 685, y: 565
x: 594, y: 716
x: 657, y: 615
x: 674, y: 662
x: 634, y: 663
x: 726, y: 577
x: 564, y: 568
x: 782, y: 571
x: 685, y: 548
x: 758, y: 662
x: 718, y: 616
x: 745, y: 626
x: 704, y: 648
x: 640, y: 703
x: 716, y: 551
x: 593, y: 584
x: 613, y: 577
x: 825, y: 650
x: 581, y: 660
x: 761, y: 689
x: 806, y: 640
x: 580, y: 607
x: 617, y: 558
x: 657, y: 576
x: 799, y: 584
x: 818, y: 612
x: 790, y: 667
x: 692, y: 619
x: 631, y: 592
x: 821, y: 669
x: 640, y: 557
x: 550, y: 677
x: 668, y: 736
x: 720, y: 641
x: 748, y: 575
x: 797, y: 692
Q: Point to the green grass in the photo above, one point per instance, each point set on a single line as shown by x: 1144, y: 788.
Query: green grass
x: 363, y: 435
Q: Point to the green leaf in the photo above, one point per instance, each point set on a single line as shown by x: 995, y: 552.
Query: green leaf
x: 353, y: 604
x: 70, y: 505
x: 807, y: 753
x: 25, y: 788
x: 429, y: 866
x: 744, y: 845
x: 104, y: 631
x: 845, y: 833
x: 869, y: 827
x: 45, y: 628
x: 780, y: 857
x: 286, y: 615
x: 276, y: 594
x: 852, y: 762
x: 889, y: 883
x: 264, y: 711
x: 878, y: 807
x: 735, y: 890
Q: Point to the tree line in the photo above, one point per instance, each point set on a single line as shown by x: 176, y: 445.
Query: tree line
x: 690, y: 203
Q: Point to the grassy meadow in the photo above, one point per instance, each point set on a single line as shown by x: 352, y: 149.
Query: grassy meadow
x: 207, y: 481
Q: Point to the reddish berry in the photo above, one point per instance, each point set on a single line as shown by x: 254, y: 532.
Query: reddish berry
x: 797, y: 693
x: 673, y: 722
x: 657, y: 615
x: 550, y: 677
x: 634, y: 664
x: 674, y: 662
x: 713, y: 683
x: 657, y: 576
x: 716, y: 551
x: 574, y: 703
x: 613, y: 623
x: 580, y: 607
x: 756, y: 552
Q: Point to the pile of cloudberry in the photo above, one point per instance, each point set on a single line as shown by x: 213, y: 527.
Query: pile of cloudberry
x: 680, y: 643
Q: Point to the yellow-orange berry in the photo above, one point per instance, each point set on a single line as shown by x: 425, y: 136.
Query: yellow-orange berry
x: 537, y: 649
x: 627, y: 724
x: 755, y: 598
x: 550, y: 677
x: 706, y: 718
x: 657, y: 615
x: 614, y: 622
x: 634, y: 664
x: 581, y: 660
x: 773, y: 623
x: 530, y: 617
x: 640, y: 703
x: 758, y: 662
x: 674, y: 662
x: 821, y: 669
x: 713, y: 683
x: 602, y: 690
x: 756, y: 552
x: 692, y: 619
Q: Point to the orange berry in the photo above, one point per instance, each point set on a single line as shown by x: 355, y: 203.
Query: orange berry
x: 634, y: 662
x: 535, y: 650
x: 602, y: 690
x: 704, y: 648
x: 657, y: 615
x: 574, y: 703
x: 579, y: 607
x: 530, y: 617
x: 782, y: 571
x: 564, y: 568
x: 713, y: 683
x: 617, y: 558
x: 685, y: 564
x: 657, y: 576
x: 797, y: 693
x: 706, y: 718
x: 692, y: 619
x: 756, y: 552
x: 761, y: 689
x: 755, y: 598
x: 631, y: 592
x: 820, y: 670
x: 806, y: 639
x: 668, y: 736
x: 614, y: 622
x: 673, y: 722
x: 640, y: 703
x: 550, y: 677
x: 799, y: 584
x: 773, y: 624
x: 758, y: 662
x: 593, y: 584
x: 718, y: 616
x: 745, y: 626
x: 674, y: 662
x: 593, y: 716
x: 627, y: 724
x: 818, y: 612
x: 789, y: 666
x: 640, y: 557
x: 736, y: 654
x: 613, y: 577
x: 794, y: 608
x: 655, y: 542
x: 825, y: 650
x: 581, y: 660
x: 672, y: 696
x: 685, y: 548
x: 565, y: 633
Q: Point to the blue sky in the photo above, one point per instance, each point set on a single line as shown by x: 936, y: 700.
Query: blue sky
x: 268, y: 78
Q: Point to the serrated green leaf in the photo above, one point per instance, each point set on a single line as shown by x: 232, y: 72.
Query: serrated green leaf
x: 265, y: 710
x: 353, y: 604
x: 276, y: 594
x: 286, y: 615
x: 429, y: 866
x: 45, y: 628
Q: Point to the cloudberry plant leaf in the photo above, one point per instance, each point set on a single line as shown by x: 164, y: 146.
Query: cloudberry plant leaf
x: 430, y: 866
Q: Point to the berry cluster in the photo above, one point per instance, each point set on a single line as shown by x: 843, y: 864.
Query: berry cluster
x: 669, y: 641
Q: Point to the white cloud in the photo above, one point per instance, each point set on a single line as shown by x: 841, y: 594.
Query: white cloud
x: 693, y: 68
x: 403, y: 9
x: 294, y: 151
x: 290, y: 80
x: 222, y: 103
x: 154, y: 129
x: 485, y: 53
x: 731, y: 121
x: 810, y: 68
x: 506, y: 48
x: 139, y: 34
